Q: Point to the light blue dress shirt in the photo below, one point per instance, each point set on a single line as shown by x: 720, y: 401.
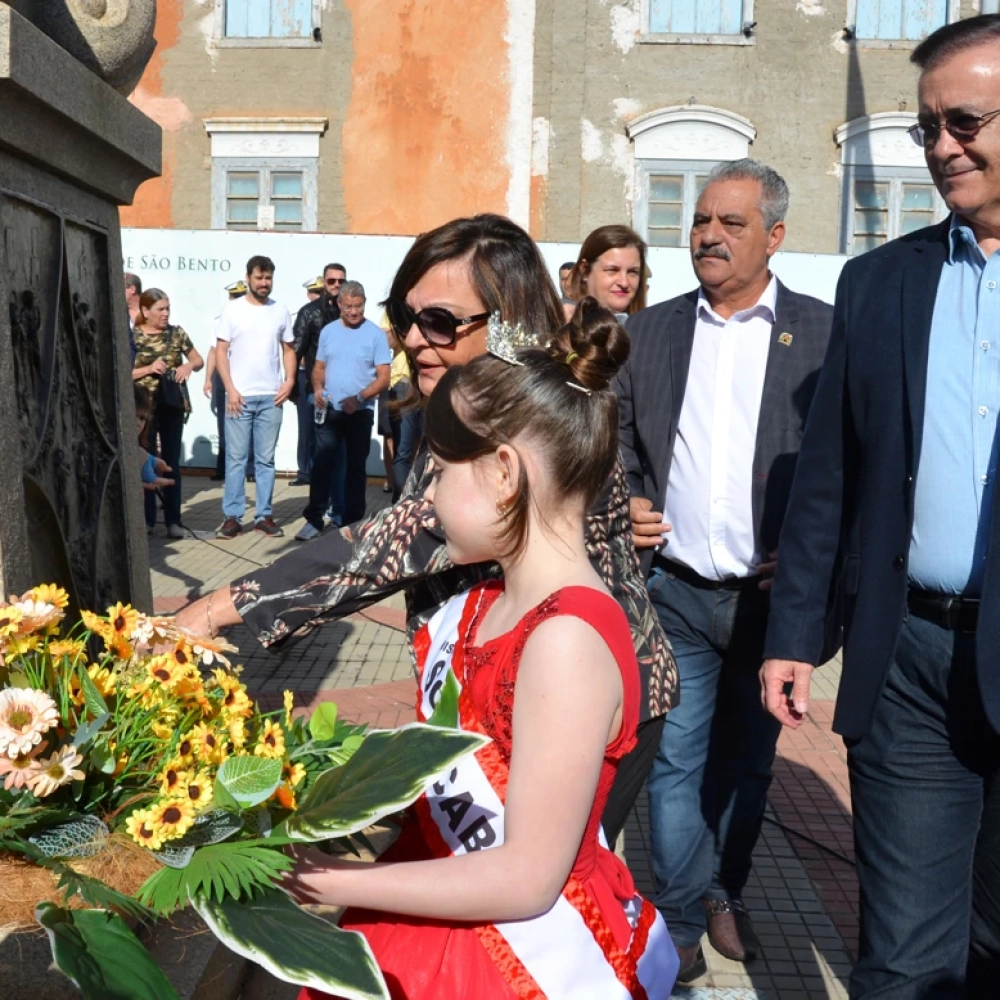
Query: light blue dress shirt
x: 958, y: 456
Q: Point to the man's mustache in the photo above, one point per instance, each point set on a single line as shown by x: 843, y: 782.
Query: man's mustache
x: 720, y: 251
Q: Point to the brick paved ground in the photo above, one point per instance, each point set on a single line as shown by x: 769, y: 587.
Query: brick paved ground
x: 803, y: 891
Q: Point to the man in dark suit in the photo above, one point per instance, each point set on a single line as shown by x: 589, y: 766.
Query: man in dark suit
x: 894, y: 494
x: 713, y: 404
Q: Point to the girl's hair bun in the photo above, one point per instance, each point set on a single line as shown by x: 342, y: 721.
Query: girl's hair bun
x: 593, y: 344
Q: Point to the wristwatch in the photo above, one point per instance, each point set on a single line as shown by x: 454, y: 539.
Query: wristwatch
x: 361, y: 399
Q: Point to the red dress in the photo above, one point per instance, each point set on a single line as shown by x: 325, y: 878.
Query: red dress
x: 433, y: 960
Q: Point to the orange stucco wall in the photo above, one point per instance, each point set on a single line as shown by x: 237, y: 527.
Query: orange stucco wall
x: 425, y: 135
x: 152, y: 205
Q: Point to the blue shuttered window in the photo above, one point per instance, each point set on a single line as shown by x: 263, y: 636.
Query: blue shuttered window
x: 696, y: 17
x: 899, y: 19
x: 269, y: 19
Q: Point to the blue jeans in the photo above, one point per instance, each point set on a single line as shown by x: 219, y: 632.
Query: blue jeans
x: 927, y: 827
x: 261, y: 419
x: 708, y: 785
x: 411, y: 429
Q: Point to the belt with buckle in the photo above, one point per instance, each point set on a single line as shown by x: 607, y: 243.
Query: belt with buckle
x: 950, y: 611
x: 689, y: 576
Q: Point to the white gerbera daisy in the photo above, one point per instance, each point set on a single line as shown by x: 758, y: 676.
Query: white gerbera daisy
x: 55, y: 772
x: 25, y: 715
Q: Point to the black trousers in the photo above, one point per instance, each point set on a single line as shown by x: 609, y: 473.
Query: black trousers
x: 633, y: 769
x: 165, y: 433
x: 355, y: 430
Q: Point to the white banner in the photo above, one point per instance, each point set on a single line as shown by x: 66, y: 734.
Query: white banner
x: 194, y: 266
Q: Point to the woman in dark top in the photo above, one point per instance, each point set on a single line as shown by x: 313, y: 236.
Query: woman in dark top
x: 449, y: 283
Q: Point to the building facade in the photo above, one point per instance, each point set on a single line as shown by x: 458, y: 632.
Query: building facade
x: 392, y: 116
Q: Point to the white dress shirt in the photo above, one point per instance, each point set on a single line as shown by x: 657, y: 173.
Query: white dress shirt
x: 708, y: 498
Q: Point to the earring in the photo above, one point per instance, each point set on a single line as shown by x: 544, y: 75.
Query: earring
x: 502, y: 509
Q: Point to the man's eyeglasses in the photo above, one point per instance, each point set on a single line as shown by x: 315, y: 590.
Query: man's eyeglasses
x: 962, y: 128
x: 439, y: 326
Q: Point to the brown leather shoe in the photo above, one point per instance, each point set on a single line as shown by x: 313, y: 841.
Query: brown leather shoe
x: 693, y: 965
x: 730, y: 930
x: 268, y: 526
x: 229, y: 528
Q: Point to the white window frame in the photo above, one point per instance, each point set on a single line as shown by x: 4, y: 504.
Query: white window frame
x: 687, y: 139
x: 648, y: 37
x: 268, y: 144
x: 878, y: 148
x: 224, y: 41
x: 850, y: 28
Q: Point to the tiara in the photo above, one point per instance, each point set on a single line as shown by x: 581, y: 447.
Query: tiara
x: 504, y: 340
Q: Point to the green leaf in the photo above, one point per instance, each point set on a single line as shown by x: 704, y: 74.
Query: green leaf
x: 223, y: 800
x: 446, y: 711
x: 323, y: 722
x: 87, y: 732
x: 389, y: 772
x: 250, y: 780
x: 96, y: 704
x: 102, y: 759
x: 80, y: 838
x: 296, y: 946
x: 101, y: 956
x: 247, y: 866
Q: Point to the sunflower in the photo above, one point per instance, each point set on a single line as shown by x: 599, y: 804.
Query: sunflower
x: 187, y: 747
x: 71, y: 648
x: 237, y: 731
x: 174, y: 778
x: 289, y: 705
x: 199, y: 791
x: 209, y: 746
x: 271, y: 742
x: 10, y: 620
x: 235, y: 700
x: 104, y: 680
x: 181, y: 654
x: 190, y: 689
x: 25, y: 716
x: 60, y: 769
x: 140, y: 828
x: 293, y: 773
x: 164, y: 671
x: 172, y: 818
x: 122, y: 620
x: 18, y: 771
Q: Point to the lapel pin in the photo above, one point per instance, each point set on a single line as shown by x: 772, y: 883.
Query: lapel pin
x: 786, y: 339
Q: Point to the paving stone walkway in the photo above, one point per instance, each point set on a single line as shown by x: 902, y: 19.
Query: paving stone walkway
x: 803, y: 891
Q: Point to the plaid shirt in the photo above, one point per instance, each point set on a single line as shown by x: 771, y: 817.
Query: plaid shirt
x: 403, y: 548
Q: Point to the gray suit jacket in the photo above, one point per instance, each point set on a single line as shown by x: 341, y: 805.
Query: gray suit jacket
x: 651, y: 389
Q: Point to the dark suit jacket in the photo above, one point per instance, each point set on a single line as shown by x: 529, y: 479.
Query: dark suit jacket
x: 853, y: 490
x: 651, y: 389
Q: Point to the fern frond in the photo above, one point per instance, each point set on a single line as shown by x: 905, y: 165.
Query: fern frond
x: 227, y: 870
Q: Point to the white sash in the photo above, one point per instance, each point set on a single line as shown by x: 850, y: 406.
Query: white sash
x: 557, y: 948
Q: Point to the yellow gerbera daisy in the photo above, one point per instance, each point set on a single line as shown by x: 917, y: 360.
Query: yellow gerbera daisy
x: 271, y: 742
x: 199, y: 791
x: 235, y: 700
x: 49, y: 593
x: 72, y: 648
x: 171, y: 818
x: 104, y: 680
x: 174, y: 778
x: 140, y: 828
x: 10, y: 619
x: 237, y: 731
x: 209, y: 745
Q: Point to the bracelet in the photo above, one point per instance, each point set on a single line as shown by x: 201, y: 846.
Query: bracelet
x: 208, y: 615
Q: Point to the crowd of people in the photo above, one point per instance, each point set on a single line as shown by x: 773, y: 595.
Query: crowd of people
x: 631, y: 533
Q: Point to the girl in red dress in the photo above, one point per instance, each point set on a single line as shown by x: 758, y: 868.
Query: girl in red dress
x: 500, y: 886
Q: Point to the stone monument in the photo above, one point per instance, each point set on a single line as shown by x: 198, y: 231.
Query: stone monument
x: 72, y: 150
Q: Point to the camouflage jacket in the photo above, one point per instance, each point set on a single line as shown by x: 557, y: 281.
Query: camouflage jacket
x: 402, y: 547
x: 172, y: 345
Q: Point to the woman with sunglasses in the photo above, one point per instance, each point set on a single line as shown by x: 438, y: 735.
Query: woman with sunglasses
x: 450, y: 282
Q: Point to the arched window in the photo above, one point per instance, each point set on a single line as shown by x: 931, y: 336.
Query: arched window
x: 675, y: 148
x: 887, y: 191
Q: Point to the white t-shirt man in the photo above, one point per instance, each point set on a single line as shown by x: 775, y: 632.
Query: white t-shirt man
x: 255, y: 334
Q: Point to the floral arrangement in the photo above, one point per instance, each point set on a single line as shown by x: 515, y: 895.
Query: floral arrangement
x: 128, y: 736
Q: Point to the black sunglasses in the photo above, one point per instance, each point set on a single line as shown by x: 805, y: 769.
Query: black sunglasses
x: 439, y: 326
x: 962, y: 128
